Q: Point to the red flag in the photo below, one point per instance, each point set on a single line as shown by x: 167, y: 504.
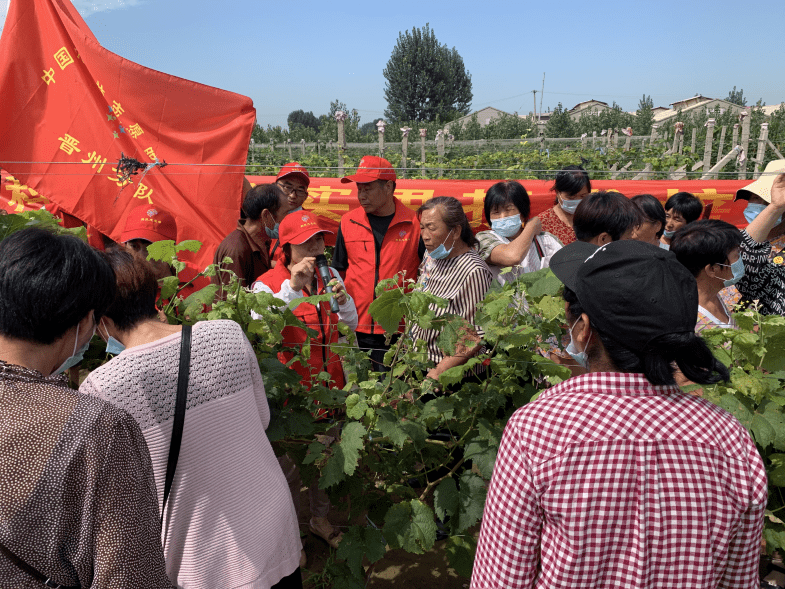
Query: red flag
x: 69, y: 108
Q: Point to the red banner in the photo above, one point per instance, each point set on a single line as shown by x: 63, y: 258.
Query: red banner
x: 330, y: 199
x: 69, y: 108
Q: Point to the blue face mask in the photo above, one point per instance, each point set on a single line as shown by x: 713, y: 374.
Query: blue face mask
x: 272, y: 233
x: 113, y: 346
x: 442, y: 252
x: 737, y: 268
x: 754, y: 209
x: 508, y: 226
x: 569, y: 206
x: 665, y: 246
x: 294, y: 211
x: 582, y: 358
x: 77, y: 355
x: 669, y: 234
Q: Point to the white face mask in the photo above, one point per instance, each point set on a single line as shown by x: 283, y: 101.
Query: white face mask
x: 581, y: 358
x: 568, y: 205
x: 77, y: 355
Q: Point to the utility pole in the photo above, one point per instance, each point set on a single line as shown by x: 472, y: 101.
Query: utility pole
x: 542, y: 92
x: 534, y: 112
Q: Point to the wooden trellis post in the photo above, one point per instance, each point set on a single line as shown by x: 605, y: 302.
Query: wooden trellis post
x: 654, y: 133
x: 272, y: 145
x: 694, y: 140
x: 707, y: 146
x: 302, y: 145
x: 745, y: 143
x: 380, y: 127
x: 340, y: 117
x: 440, y: 150
x: 721, y: 146
x: 423, y: 133
x: 404, y: 149
x: 764, y: 135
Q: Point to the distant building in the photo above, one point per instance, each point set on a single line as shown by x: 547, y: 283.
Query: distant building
x: 692, y: 105
x: 484, y: 117
x: 590, y: 107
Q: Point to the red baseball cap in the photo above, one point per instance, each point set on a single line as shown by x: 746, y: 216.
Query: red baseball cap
x: 294, y: 168
x: 372, y: 168
x: 147, y: 222
x: 299, y: 227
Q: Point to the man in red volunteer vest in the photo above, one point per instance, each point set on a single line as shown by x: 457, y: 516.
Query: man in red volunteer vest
x: 302, y: 239
x: 378, y: 240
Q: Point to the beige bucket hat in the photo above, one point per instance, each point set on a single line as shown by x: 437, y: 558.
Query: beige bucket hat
x: 762, y: 186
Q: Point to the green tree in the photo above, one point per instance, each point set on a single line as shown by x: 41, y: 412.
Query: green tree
x: 644, y: 117
x: 560, y: 124
x: 737, y: 97
x: 302, y: 118
x: 369, y: 129
x: 328, y: 126
x: 425, y: 79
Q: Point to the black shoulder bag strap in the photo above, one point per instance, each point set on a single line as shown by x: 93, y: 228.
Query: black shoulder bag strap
x: 179, y: 413
x: 32, y: 571
x: 539, y: 248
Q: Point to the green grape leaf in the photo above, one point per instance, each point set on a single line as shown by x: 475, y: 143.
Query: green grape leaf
x: 483, y: 456
x: 351, y: 444
x: 355, y: 406
x: 762, y: 430
x: 169, y: 286
x: 333, y: 470
x: 460, y: 554
x: 410, y: 525
x: 359, y: 542
x: 388, y: 310
x: 472, y: 493
x: 315, y: 450
x: 190, y: 245
x: 161, y: 251
x: 445, y: 498
x: 734, y: 406
x: 390, y: 427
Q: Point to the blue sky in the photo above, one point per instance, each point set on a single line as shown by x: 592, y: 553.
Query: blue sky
x: 304, y: 55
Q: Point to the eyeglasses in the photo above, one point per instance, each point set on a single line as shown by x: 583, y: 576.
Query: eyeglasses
x: 289, y: 189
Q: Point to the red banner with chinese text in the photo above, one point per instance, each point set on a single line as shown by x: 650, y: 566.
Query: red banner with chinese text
x: 330, y: 199
x: 69, y: 108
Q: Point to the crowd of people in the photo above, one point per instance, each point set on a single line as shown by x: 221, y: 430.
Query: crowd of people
x: 106, y: 487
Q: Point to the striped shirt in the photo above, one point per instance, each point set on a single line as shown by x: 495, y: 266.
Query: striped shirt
x: 463, y: 281
x: 608, y: 481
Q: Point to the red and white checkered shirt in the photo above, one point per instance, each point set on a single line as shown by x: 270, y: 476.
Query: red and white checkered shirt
x: 609, y: 481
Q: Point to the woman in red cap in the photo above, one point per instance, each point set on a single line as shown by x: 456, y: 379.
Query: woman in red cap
x: 302, y: 239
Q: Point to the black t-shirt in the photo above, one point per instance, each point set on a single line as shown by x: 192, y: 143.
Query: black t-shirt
x: 379, y: 226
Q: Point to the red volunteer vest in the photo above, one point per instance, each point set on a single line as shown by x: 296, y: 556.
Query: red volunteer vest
x: 398, y: 253
x: 320, y: 319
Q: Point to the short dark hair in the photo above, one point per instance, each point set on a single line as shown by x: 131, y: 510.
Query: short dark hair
x: 571, y: 180
x: 651, y: 209
x: 686, y: 204
x: 604, y: 212
x: 502, y: 193
x: 259, y: 198
x: 136, y: 292
x: 384, y: 182
x: 286, y: 248
x: 453, y: 215
x: 49, y: 283
x: 705, y: 242
x: 687, y: 350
